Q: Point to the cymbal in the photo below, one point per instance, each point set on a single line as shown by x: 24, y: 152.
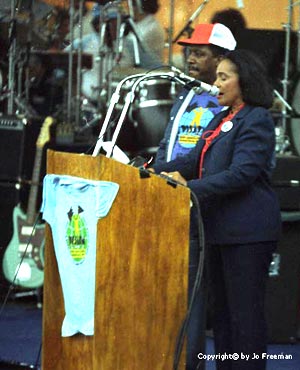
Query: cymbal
x: 57, y: 58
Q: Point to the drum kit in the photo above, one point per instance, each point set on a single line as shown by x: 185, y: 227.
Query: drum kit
x: 292, y: 90
x: 28, y: 29
x: 286, y: 111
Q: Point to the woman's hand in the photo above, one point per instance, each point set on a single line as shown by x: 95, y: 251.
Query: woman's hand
x: 176, y: 176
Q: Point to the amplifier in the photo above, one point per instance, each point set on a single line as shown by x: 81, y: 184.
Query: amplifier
x: 12, y: 133
x: 12, y: 123
x: 286, y: 182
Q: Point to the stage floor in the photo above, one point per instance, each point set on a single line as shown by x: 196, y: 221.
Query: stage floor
x: 21, y: 334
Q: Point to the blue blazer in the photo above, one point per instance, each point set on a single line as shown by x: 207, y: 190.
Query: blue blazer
x: 237, y: 202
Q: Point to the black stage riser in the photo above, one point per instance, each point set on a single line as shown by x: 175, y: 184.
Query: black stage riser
x: 6, y: 365
x: 283, y: 288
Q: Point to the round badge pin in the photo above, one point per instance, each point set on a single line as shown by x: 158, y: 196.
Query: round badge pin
x: 227, y: 126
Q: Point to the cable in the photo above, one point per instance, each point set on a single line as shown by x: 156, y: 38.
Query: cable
x: 36, y: 365
x: 198, y: 280
x: 199, y: 275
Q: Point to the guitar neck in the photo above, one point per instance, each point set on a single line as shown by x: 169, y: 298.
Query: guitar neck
x: 43, y: 138
x: 31, y: 208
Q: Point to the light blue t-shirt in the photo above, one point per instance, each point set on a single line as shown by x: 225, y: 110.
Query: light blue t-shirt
x: 72, y: 207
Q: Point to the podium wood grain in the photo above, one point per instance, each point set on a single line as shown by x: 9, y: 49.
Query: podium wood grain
x: 141, y: 274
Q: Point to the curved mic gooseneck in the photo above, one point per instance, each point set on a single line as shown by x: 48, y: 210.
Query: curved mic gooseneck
x: 174, y: 75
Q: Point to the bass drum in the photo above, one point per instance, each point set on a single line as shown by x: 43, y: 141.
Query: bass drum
x: 294, y: 125
x: 147, y: 118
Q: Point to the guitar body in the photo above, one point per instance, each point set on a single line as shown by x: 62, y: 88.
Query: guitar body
x: 23, y: 261
x: 26, y: 250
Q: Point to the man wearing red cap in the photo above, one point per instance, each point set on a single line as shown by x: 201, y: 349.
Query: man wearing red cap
x: 190, y: 114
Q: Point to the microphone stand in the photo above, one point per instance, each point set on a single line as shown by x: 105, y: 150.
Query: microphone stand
x: 128, y: 100
x: 187, y: 27
x: 136, y: 41
x: 103, y: 53
x: 79, y: 65
x: 114, y: 100
x: 106, y: 52
x: 15, y: 99
x: 171, y: 31
x: 12, y: 57
x: 73, y: 112
x: 70, y: 63
x: 124, y: 23
x: 128, y: 23
x: 26, y: 62
x: 285, y: 82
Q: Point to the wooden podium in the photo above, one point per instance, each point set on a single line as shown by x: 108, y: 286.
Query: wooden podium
x: 141, y: 274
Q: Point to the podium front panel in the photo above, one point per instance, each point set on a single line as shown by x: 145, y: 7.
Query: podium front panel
x: 141, y: 273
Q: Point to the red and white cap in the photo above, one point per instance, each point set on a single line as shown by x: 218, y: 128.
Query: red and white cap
x: 211, y: 34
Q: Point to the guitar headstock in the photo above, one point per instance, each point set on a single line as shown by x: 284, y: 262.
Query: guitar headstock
x: 44, y: 135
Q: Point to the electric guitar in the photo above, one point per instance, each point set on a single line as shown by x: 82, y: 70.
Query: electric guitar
x: 23, y: 262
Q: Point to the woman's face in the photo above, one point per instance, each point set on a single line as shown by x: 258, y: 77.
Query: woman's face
x: 228, y: 83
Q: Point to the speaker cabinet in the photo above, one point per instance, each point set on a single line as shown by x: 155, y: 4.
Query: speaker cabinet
x: 283, y: 287
x: 269, y: 45
x: 12, y: 131
x: 286, y: 182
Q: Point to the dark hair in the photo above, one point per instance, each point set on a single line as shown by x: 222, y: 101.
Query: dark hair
x: 149, y: 6
x: 253, y: 79
x: 230, y: 17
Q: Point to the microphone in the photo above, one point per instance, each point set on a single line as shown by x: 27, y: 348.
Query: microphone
x: 197, y: 85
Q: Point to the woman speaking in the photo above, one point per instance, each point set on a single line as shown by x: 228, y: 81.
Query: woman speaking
x: 229, y: 171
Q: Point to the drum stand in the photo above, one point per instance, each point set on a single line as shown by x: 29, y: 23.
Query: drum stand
x: 12, y: 55
x: 69, y: 116
x: 71, y: 110
x: 283, y: 142
x: 187, y: 29
x: 298, y: 37
x: 16, y: 104
x: 104, y: 57
x: 108, y: 58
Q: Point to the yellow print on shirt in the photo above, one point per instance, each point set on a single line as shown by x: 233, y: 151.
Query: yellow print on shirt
x: 195, y: 120
x: 77, y: 236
